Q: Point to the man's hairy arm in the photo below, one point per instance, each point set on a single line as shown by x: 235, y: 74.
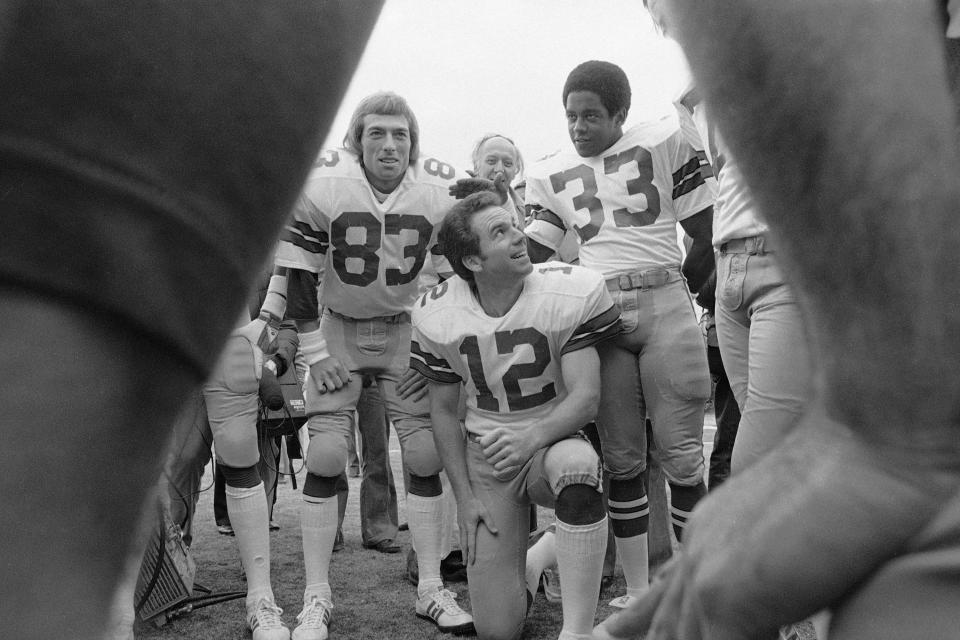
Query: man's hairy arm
x: 846, y: 143
x: 784, y: 539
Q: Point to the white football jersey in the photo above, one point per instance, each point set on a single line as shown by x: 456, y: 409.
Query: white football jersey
x: 369, y: 253
x: 734, y: 215
x: 511, y: 364
x: 625, y: 203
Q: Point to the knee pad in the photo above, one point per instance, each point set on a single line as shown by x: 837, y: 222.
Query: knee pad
x: 326, y: 455
x: 240, y: 477
x: 320, y: 486
x: 579, y: 504
x: 425, y: 486
x: 420, y: 455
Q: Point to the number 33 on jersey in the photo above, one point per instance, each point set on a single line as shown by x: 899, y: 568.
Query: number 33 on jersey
x: 370, y: 253
x: 624, y: 203
x: 511, y: 364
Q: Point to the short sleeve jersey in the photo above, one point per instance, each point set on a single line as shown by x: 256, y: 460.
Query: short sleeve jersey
x: 511, y: 365
x: 624, y: 203
x: 735, y: 214
x: 369, y: 253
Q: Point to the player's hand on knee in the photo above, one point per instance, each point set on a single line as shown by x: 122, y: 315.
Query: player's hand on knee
x: 412, y: 386
x: 329, y: 374
x: 507, y: 449
x: 473, y: 514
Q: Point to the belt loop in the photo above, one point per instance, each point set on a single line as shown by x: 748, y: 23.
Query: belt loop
x: 760, y: 243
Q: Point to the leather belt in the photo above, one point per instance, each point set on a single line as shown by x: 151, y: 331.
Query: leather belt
x: 758, y: 245
x: 649, y: 279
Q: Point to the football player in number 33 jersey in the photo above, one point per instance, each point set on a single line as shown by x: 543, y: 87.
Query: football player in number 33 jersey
x: 624, y: 192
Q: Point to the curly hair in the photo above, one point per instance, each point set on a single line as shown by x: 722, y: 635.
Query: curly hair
x: 605, y: 79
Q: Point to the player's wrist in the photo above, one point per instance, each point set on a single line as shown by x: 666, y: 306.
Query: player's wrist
x: 313, y: 346
x: 275, y: 302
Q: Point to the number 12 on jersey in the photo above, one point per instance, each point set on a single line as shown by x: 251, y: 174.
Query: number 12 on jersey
x: 506, y: 343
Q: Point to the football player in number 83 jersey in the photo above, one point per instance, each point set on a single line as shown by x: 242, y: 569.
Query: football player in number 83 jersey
x: 624, y: 192
x: 367, y: 220
x: 521, y: 341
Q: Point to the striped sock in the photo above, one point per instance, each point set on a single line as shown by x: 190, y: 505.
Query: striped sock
x: 629, y: 516
x: 682, y: 502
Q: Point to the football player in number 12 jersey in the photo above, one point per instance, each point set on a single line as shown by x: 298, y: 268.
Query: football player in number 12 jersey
x: 521, y: 341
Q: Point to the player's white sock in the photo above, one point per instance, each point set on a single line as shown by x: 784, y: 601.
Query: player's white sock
x: 540, y: 556
x: 425, y: 516
x: 634, y: 558
x: 580, y: 551
x: 318, y: 528
x: 247, y: 507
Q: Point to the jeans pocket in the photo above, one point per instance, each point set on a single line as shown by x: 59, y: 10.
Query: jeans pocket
x: 732, y: 271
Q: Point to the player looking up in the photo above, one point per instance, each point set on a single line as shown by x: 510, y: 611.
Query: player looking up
x: 623, y: 192
x: 521, y: 341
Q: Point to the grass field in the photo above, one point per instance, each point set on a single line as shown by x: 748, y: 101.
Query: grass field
x: 372, y: 598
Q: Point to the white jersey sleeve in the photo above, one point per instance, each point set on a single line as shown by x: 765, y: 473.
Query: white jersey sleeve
x: 735, y: 214
x: 510, y: 365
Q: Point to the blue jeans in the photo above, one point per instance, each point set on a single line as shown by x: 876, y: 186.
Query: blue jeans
x: 378, y: 493
x: 764, y: 347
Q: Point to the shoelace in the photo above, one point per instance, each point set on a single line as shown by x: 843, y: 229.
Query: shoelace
x: 312, y: 614
x: 448, y: 601
x: 268, y: 615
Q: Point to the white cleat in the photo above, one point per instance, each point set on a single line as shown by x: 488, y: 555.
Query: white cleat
x: 314, y: 620
x: 265, y: 623
x: 622, y: 602
x: 441, y: 608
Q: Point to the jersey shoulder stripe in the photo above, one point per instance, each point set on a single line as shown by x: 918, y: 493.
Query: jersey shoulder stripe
x: 430, y: 366
x: 688, y: 177
x: 306, y: 237
x: 598, y: 328
x: 547, y: 216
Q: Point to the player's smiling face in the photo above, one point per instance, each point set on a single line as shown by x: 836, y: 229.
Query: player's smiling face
x: 386, y: 150
x: 503, y: 247
x: 592, y: 128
